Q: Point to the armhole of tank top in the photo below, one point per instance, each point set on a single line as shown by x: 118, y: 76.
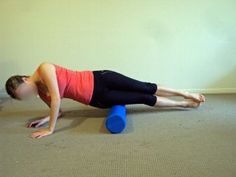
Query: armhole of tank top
x: 43, y: 96
x: 55, y: 66
x: 40, y: 93
x: 38, y: 72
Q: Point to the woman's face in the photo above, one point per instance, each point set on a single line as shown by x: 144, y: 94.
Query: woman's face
x: 25, y: 90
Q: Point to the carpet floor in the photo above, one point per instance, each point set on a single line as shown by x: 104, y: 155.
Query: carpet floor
x: 156, y: 142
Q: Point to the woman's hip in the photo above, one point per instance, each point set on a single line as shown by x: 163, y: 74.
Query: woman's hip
x: 99, y: 90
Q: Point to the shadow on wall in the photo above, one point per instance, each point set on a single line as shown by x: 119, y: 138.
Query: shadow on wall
x: 221, y: 31
x: 226, y: 84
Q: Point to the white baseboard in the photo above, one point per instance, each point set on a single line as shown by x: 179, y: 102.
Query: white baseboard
x: 212, y: 90
x: 3, y: 94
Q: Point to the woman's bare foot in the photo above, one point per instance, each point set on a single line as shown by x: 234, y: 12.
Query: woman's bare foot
x: 189, y: 103
x: 196, y: 97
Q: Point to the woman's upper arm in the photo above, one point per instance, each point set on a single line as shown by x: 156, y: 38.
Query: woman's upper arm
x: 48, y: 75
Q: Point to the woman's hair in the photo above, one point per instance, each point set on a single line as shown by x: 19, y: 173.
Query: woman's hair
x: 12, y: 83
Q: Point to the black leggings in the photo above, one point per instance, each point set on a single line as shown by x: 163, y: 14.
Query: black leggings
x: 112, y: 88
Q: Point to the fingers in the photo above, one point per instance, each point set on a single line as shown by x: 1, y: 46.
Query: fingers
x: 37, y: 134
x: 32, y: 124
x: 34, y: 135
x: 41, y: 133
x: 39, y: 124
x: 35, y: 124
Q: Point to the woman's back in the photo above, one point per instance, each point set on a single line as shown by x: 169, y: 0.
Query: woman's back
x: 76, y: 85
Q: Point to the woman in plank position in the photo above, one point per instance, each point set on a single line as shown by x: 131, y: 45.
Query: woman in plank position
x: 99, y: 88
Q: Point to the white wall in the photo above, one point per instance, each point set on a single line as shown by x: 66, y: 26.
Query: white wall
x: 182, y: 44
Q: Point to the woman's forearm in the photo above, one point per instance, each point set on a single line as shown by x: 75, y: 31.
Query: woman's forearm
x: 47, y: 118
x: 48, y: 103
x: 54, y: 113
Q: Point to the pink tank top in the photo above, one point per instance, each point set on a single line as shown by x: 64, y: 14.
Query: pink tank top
x: 76, y: 85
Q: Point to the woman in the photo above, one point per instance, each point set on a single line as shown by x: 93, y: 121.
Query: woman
x: 100, y: 88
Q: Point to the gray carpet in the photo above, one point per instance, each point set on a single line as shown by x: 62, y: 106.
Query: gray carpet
x: 156, y: 142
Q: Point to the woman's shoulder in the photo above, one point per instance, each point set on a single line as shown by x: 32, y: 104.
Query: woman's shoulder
x: 46, y: 64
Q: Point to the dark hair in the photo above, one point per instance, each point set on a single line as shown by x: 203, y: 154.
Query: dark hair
x: 12, y: 83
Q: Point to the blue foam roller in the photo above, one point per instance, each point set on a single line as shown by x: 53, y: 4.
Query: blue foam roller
x: 116, y: 119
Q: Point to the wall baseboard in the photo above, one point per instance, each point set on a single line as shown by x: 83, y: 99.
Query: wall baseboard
x: 212, y: 90
x: 3, y: 94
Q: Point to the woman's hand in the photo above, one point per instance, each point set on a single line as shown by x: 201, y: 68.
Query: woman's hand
x: 41, y: 133
x: 38, y: 123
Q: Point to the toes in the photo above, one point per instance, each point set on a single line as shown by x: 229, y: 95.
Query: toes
x: 198, y: 98
x: 202, y: 98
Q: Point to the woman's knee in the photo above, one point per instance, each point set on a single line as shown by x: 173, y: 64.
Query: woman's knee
x: 151, y: 100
